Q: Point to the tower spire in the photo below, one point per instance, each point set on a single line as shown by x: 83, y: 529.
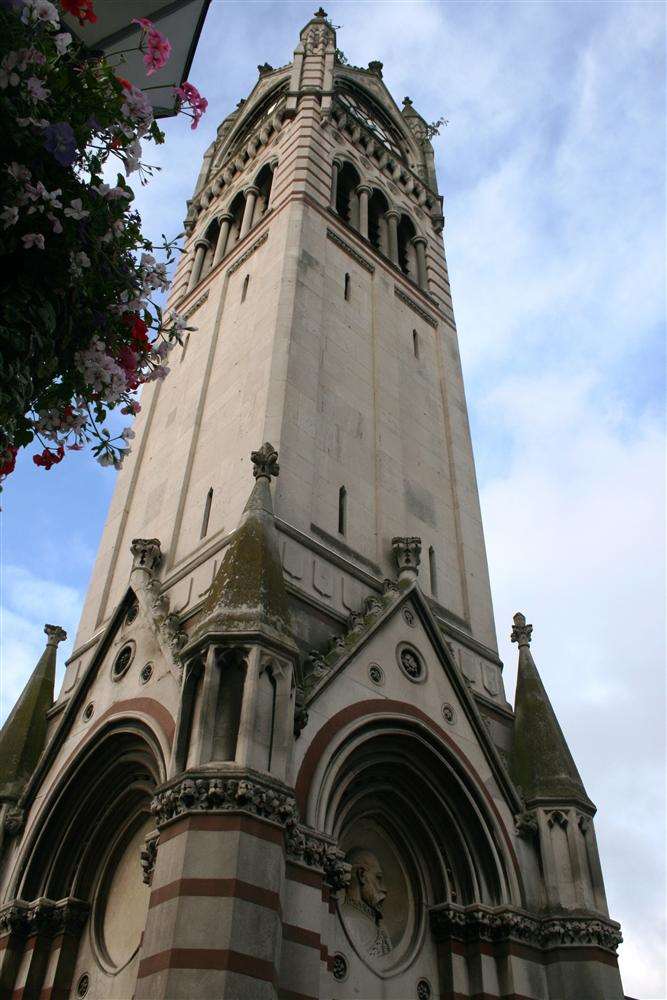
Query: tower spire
x: 541, y: 763
x: 248, y: 592
x: 23, y: 735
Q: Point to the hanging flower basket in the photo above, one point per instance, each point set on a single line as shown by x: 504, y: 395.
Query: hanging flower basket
x: 80, y: 331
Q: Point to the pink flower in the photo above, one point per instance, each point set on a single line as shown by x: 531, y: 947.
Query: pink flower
x: 189, y: 96
x: 33, y: 240
x: 36, y: 89
x: 158, y: 50
x: 143, y: 22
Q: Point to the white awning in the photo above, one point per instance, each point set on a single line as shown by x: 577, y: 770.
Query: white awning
x: 180, y: 21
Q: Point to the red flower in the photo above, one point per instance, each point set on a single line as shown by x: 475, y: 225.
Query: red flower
x: 138, y: 331
x: 125, y: 84
x: 8, y: 460
x: 82, y: 10
x: 49, y: 457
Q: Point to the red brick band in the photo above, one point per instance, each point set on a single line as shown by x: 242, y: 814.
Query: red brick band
x: 254, y: 826
x: 299, y: 935
x: 218, y: 959
x: 217, y: 887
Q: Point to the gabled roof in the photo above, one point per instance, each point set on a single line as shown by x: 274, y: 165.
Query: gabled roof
x: 348, y: 648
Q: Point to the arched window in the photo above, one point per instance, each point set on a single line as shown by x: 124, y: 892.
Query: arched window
x: 377, y: 224
x: 211, y: 237
x: 244, y: 290
x: 263, y: 181
x: 347, y: 201
x: 342, y: 510
x: 407, y: 255
x: 236, y: 211
x: 347, y: 288
x: 433, y: 571
x: 415, y: 343
x: 207, y: 513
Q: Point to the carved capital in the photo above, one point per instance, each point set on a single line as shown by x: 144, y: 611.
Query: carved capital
x: 265, y: 462
x: 148, y: 857
x: 407, y: 553
x: 146, y: 554
x: 521, y: 632
x: 54, y: 634
x: 525, y: 825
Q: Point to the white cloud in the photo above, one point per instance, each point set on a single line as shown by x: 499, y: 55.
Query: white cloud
x: 28, y: 603
x: 575, y: 535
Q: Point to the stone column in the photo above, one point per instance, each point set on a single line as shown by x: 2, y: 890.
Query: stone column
x: 419, y: 243
x: 250, y: 199
x: 392, y: 217
x: 200, y: 252
x: 225, y: 222
x: 363, y: 191
x: 335, y: 167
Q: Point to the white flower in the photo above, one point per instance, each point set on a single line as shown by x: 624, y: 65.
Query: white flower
x: 127, y: 434
x: 76, y: 209
x: 8, y: 78
x: 18, y: 172
x: 40, y: 10
x: 33, y: 240
x: 36, y: 89
x: 77, y: 263
x: 55, y: 222
x: 63, y: 42
x: 132, y: 157
x: 9, y: 216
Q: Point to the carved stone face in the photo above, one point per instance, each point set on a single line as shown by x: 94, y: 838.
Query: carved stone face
x: 373, y: 892
x: 367, y: 880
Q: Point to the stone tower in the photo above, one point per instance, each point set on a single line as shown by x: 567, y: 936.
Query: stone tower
x: 282, y: 763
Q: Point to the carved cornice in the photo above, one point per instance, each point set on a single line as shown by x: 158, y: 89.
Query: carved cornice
x: 195, y: 305
x: 199, y: 792
x: 43, y: 916
x: 475, y: 923
x: 350, y: 251
x: 426, y: 316
x: 249, y: 252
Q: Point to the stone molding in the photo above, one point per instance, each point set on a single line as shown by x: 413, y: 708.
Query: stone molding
x: 248, y: 253
x: 475, y: 923
x: 43, y: 916
x: 350, y: 251
x: 234, y: 791
x: 400, y: 294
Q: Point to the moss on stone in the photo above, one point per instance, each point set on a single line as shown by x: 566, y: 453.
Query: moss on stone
x: 540, y: 762
x: 23, y: 736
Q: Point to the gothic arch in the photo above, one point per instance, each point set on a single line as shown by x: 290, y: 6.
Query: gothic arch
x: 347, y: 201
x: 106, y: 789
x: 400, y: 768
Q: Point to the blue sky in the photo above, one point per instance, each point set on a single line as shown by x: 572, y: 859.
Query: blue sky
x: 552, y: 168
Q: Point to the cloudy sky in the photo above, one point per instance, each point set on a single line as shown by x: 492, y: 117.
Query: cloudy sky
x: 552, y: 168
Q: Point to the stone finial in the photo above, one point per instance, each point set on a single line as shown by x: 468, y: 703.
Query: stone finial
x: 265, y: 462
x: 265, y: 68
x: 407, y: 102
x: 147, y: 554
x: 407, y: 553
x: 54, y: 634
x: 521, y: 632
x: 375, y: 66
x: 320, y: 12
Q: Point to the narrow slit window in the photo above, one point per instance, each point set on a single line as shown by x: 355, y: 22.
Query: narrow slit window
x: 347, y: 288
x: 244, y: 290
x: 415, y: 343
x: 207, y: 513
x: 433, y: 571
x: 184, y: 348
x: 342, y: 510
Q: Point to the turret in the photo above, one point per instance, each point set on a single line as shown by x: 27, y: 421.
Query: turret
x: 559, y: 813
